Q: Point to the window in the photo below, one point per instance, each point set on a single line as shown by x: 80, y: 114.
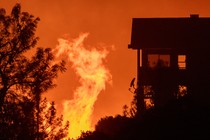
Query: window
x: 182, y: 91
x: 158, y: 59
x: 182, y: 61
x: 148, y: 90
x: 149, y: 103
x: 148, y: 96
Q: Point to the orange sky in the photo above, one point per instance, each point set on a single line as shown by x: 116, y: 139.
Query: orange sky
x: 108, y: 22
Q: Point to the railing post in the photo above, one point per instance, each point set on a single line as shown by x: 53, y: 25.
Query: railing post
x: 139, y: 93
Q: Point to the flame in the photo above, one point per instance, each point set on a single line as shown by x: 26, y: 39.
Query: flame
x: 93, y: 75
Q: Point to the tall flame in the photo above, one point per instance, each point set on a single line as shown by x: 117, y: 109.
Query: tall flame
x: 93, y: 75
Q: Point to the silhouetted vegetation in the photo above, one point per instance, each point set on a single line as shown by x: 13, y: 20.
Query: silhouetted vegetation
x: 180, y: 119
x: 18, y: 120
x: 23, y: 80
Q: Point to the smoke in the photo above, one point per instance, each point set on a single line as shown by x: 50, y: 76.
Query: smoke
x: 88, y: 65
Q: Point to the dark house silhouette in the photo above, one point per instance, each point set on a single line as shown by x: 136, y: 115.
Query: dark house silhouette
x: 173, y: 59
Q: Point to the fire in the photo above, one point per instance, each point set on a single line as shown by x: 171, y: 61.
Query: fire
x: 93, y: 75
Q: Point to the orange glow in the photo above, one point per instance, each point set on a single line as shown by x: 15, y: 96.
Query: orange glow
x: 88, y: 66
x: 109, y: 22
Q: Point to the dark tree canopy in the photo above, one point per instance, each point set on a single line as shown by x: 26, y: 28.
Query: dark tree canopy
x: 179, y: 120
x: 17, y: 72
x: 18, y: 121
x: 23, y: 112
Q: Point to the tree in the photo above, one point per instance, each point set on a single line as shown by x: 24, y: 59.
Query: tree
x: 23, y: 79
x: 93, y: 136
x: 132, y: 111
x: 29, y: 76
x: 111, y: 126
x: 17, y: 37
x: 18, y: 121
x: 51, y: 127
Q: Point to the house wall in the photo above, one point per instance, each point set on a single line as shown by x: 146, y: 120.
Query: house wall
x: 174, y: 36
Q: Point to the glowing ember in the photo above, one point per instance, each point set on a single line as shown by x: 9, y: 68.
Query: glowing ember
x: 88, y: 65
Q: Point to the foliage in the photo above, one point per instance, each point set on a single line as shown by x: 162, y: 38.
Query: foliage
x: 18, y: 121
x: 93, y: 136
x: 23, y: 113
x: 111, y: 125
x: 51, y: 127
x: 180, y: 119
x: 130, y: 112
x: 17, y: 72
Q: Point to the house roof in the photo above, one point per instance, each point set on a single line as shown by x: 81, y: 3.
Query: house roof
x: 192, y: 32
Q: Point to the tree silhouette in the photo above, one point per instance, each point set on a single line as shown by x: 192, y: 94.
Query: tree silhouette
x: 17, y: 72
x: 51, y: 127
x: 180, y: 119
x: 24, y: 79
x: 131, y: 111
x: 18, y: 121
x: 93, y: 136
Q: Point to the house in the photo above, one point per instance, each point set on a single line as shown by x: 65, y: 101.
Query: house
x: 173, y: 59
